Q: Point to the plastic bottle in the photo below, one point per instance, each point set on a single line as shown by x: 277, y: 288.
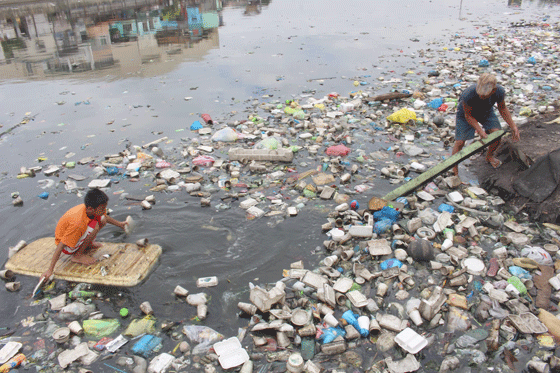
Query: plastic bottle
x: 13, y: 363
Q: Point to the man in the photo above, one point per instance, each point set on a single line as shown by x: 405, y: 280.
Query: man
x: 475, y: 113
x: 77, y: 228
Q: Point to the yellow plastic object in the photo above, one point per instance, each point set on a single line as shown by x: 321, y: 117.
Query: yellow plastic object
x: 141, y: 326
x: 100, y: 328
x: 402, y: 116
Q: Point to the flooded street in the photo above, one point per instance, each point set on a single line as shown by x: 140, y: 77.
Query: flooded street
x: 89, y: 81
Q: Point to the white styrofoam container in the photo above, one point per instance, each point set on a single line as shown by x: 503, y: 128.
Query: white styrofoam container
x: 411, y: 341
x: 230, y: 353
x: 205, y: 282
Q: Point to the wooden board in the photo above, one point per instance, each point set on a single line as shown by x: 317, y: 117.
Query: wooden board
x: 441, y: 167
x: 127, y: 264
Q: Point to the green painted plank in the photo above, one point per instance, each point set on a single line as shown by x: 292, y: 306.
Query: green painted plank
x: 433, y: 172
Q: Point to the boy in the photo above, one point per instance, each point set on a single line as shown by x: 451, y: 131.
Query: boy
x: 78, y: 227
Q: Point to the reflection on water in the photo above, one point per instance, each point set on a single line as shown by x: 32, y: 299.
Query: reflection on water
x: 116, y: 37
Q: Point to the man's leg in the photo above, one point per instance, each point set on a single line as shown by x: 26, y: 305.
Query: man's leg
x: 459, y: 144
x: 88, y: 245
x: 495, y: 162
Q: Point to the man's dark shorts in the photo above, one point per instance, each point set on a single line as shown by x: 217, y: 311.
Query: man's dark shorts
x: 464, y: 131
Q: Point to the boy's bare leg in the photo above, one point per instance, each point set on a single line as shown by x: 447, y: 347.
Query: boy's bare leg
x: 83, y: 256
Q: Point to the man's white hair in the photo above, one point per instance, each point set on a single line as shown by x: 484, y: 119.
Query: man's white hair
x: 486, y: 84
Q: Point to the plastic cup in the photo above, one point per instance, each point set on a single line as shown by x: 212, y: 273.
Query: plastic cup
x: 330, y: 320
x: 6, y: 274
x: 554, y: 282
x: 446, y: 244
x: 415, y: 317
x: 75, y: 327
x: 13, y: 286
x: 363, y: 322
x: 146, y: 307
x: 330, y: 260
x: 382, y: 289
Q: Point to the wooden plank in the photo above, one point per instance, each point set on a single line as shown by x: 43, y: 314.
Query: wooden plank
x: 389, y: 96
x: 443, y: 166
x: 127, y: 265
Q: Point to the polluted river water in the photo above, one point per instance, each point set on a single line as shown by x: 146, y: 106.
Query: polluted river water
x: 111, y: 90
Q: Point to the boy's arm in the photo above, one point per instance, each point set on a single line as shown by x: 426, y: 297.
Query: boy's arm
x: 55, y: 258
x: 120, y: 224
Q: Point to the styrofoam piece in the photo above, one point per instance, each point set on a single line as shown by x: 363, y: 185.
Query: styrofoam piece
x: 343, y: 284
x: 527, y: 323
x: 357, y: 299
x: 99, y: 183
x: 160, y: 363
x: 336, y: 234
x: 476, y: 190
x: 410, y: 341
x: 230, y: 353
x: 116, y: 343
x: 314, y: 280
x: 363, y: 231
x: 205, y: 282
x: 255, y: 211
x: 456, y: 196
x: 292, y: 211
x: 249, y: 202
x: 425, y: 196
x: 329, y: 295
x: 379, y: 247
x: 281, y: 155
x: 474, y: 266
x: 8, y: 351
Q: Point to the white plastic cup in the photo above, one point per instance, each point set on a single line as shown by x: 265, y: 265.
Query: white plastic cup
x: 382, y: 289
x: 363, y: 322
x: 146, y: 307
x: 330, y: 260
x: 75, y: 327
x: 414, y: 315
x: 539, y: 366
x: 330, y: 320
x: 447, y: 243
x: 201, y: 311
x: 554, y: 282
x: 347, y: 254
x: 13, y: 286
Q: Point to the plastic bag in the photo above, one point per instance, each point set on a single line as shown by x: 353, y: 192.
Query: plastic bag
x: 203, y: 161
x: 331, y: 333
x: 140, y: 326
x: 337, y: 150
x: 100, y: 328
x: 390, y: 263
x: 386, y: 213
x: 204, y: 335
x: 538, y: 254
x: 402, y: 116
x: 519, y: 272
x: 445, y: 207
x: 146, y: 345
x: 428, y: 216
x: 435, y: 103
x: 225, y: 134
x: 271, y: 143
x: 382, y: 226
x: 196, y: 125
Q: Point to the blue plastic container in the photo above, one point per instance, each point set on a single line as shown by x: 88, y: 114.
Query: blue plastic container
x: 146, y: 345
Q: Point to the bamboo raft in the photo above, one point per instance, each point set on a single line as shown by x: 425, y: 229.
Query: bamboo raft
x: 127, y: 264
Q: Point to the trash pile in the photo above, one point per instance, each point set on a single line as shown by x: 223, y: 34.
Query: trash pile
x: 434, y: 280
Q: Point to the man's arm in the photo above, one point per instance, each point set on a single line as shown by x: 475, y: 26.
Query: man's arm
x: 120, y: 224
x: 504, y: 112
x: 473, y: 122
x: 55, y: 258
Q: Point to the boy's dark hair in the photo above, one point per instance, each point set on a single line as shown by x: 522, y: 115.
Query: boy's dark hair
x: 95, y: 198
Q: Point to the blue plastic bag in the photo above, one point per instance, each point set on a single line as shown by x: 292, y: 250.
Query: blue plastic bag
x: 445, y: 207
x: 387, y: 213
x: 352, y: 319
x: 531, y: 60
x: 520, y: 272
x: 403, y: 200
x: 146, y: 345
x: 382, y: 226
x: 44, y: 195
x: 390, y: 263
x: 112, y: 170
x: 435, y: 103
x: 196, y: 125
x: 331, y: 333
x: 483, y: 63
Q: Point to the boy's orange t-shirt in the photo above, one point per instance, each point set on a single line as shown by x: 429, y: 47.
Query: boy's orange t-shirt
x: 72, y: 226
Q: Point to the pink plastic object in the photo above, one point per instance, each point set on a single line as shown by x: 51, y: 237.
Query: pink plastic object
x: 203, y: 161
x: 163, y: 164
x: 337, y: 150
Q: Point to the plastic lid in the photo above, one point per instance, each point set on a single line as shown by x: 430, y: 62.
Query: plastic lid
x: 474, y: 266
x: 411, y: 341
x: 124, y: 312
